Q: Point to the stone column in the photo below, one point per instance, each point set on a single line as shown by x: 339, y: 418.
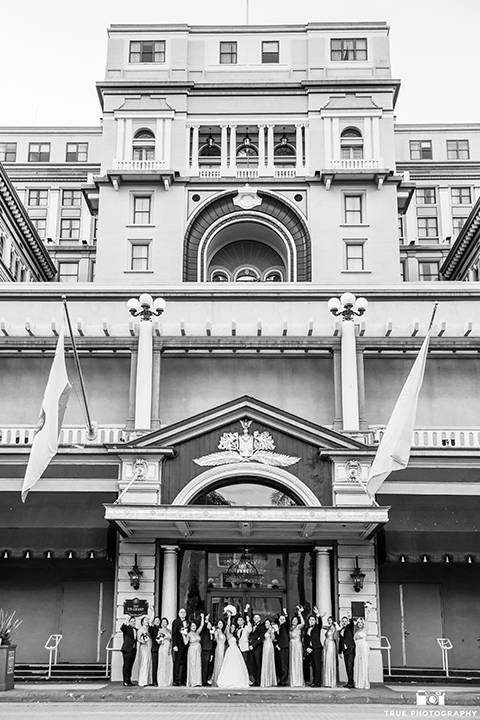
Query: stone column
x: 157, y: 361
x: 261, y: 149
x: 336, y: 138
x: 188, y: 137
x: 337, y: 388
x: 361, y: 390
x: 233, y: 150
x: 368, y: 139
x: 120, y: 139
x: 167, y: 143
x: 376, y: 138
x: 327, y: 137
x: 194, y: 166
x: 143, y: 397
x: 349, y: 377
x: 270, y: 157
x: 299, y: 149
x: 132, y: 389
x: 128, y: 140
x: 159, y: 140
x: 323, y: 588
x: 169, y: 582
x: 224, y: 150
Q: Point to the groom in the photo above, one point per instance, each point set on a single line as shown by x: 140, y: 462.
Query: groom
x: 346, y: 646
x: 255, y: 645
x: 179, y: 628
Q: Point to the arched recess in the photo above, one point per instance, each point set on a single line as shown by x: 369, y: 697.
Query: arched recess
x: 273, y: 211
x: 249, y: 471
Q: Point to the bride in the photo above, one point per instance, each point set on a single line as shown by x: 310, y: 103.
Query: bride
x: 234, y: 673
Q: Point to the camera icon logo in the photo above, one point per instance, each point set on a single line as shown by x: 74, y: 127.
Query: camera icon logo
x: 430, y: 697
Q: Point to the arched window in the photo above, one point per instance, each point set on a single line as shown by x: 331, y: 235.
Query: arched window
x: 210, y: 147
x: 144, y: 145
x: 220, y: 276
x: 246, y: 493
x: 246, y: 261
x: 351, y: 144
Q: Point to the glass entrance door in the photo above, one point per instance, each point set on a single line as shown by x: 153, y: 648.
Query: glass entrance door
x: 266, y: 604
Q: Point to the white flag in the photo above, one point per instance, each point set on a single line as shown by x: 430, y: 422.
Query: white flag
x: 45, y: 442
x: 394, y: 450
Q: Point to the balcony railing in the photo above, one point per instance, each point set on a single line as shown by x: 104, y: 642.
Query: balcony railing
x: 138, y: 165
x: 23, y: 436
x: 355, y: 164
x: 438, y: 437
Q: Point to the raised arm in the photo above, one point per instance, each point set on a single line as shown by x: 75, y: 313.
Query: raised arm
x: 300, y: 615
x: 202, y: 623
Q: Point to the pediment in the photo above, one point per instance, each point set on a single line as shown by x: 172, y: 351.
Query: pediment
x: 240, y: 409
x: 146, y: 102
x: 351, y: 102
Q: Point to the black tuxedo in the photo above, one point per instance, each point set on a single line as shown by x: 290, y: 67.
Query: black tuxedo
x: 313, y: 652
x: 129, y: 651
x: 153, y: 632
x: 282, y: 644
x: 180, y: 655
x: 207, y: 643
x: 347, y: 647
x: 256, y: 650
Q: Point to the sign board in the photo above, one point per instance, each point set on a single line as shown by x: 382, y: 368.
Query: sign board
x: 358, y: 609
x: 135, y: 607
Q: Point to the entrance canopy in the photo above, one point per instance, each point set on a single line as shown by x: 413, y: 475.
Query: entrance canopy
x: 227, y: 524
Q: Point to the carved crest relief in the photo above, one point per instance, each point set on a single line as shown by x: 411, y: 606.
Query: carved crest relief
x: 246, y: 447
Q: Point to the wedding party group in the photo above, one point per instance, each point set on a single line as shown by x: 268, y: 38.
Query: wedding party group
x: 242, y: 651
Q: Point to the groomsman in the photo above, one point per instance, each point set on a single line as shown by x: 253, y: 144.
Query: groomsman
x: 129, y: 649
x: 207, y: 643
x: 281, y: 647
x: 255, y: 645
x: 179, y: 629
x: 313, y: 647
x: 153, y: 632
x: 346, y: 646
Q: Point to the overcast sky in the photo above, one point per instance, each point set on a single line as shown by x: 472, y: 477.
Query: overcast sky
x: 53, y: 51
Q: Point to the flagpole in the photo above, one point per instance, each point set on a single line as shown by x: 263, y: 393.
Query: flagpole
x: 92, y: 433
x: 433, y: 315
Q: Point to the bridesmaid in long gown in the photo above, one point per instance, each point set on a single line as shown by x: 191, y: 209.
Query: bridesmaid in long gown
x: 220, y: 639
x: 165, y: 658
x: 144, y: 641
x: 194, y: 655
x: 296, y: 650
x: 330, y: 654
x: 268, y: 676
x: 361, y: 664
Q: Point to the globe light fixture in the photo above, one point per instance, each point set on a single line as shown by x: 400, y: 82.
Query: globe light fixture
x: 145, y: 307
x: 347, y: 306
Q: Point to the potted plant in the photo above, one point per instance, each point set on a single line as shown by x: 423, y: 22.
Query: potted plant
x: 8, y: 625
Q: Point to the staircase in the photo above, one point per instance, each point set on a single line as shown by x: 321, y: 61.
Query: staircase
x: 63, y: 672
x: 422, y: 676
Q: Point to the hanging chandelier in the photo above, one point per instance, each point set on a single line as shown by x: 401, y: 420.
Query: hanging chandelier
x: 243, y: 571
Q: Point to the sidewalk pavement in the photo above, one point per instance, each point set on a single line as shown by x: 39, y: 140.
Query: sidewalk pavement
x: 109, y: 692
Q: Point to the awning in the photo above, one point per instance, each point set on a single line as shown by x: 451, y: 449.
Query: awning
x: 227, y: 524
x: 432, y: 525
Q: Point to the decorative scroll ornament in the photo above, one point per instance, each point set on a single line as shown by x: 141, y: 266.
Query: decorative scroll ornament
x: 247, y: 198
x: 238, y: 448
x: 140, y: 469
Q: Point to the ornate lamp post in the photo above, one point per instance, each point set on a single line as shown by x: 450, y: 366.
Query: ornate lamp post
x: 348, y: 307
x: 145, y: 307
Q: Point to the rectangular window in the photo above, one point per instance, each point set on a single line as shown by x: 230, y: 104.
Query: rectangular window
x: 40, y: 225
x: 457, y: 224
x: 353, y: 209
x: 270, y: 51
x: 461, y: 196
x: 76, y: 152
x: 67, y: 272
x: 427, y: 227
x: 142, y: 209
x: 71, y: 197
x: 147, y: 51
x: 428, y: 271
x: 344, y: 49
x: 39, y: 152
x: 228, y: 53
x: 8, y: 152
x: 69, y: 228
x: 458, y: 150
x: 354, y: 257
x: 401, y: 227
x: 426, y: 196
x: 140, y: 256
x: 37, y: 197
x: 403, y: 270
x: 421, y: 150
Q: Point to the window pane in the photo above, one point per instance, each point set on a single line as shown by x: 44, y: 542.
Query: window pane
x: 140, y: 257
x: 270, y: 52
x: 8, y: 152
x: 141, y: 210
x: 353, y: 209
x: 67, y: 272
x: 354, y: 253
x: 427, y: 227
x: 426, y: 196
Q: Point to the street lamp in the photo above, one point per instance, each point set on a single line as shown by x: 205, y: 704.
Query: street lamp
x: 146, y: 307
x: 348, y: 306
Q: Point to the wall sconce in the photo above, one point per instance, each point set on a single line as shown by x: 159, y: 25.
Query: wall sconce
x: 470, y: 559
x: 135, y: 575
x: 425, y: 558
x: 448, y: 558
x: 358, y: 577
x: 403, y: 558
x: 6, y: 554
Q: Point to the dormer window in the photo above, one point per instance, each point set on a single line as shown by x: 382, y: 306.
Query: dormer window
x: 144, y: 145
x: 147, y: 51
x: 351, y: 144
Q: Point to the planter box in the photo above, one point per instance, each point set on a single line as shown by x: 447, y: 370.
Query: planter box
x: 7, y: 667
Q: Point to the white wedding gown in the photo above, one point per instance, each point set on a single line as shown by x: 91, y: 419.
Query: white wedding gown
x: 234, y: 673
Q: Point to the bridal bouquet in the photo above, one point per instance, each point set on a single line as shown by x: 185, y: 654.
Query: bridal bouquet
x: 230, y: 610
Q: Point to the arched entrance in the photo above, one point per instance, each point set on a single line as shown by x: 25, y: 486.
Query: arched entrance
x: 270, y: 240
